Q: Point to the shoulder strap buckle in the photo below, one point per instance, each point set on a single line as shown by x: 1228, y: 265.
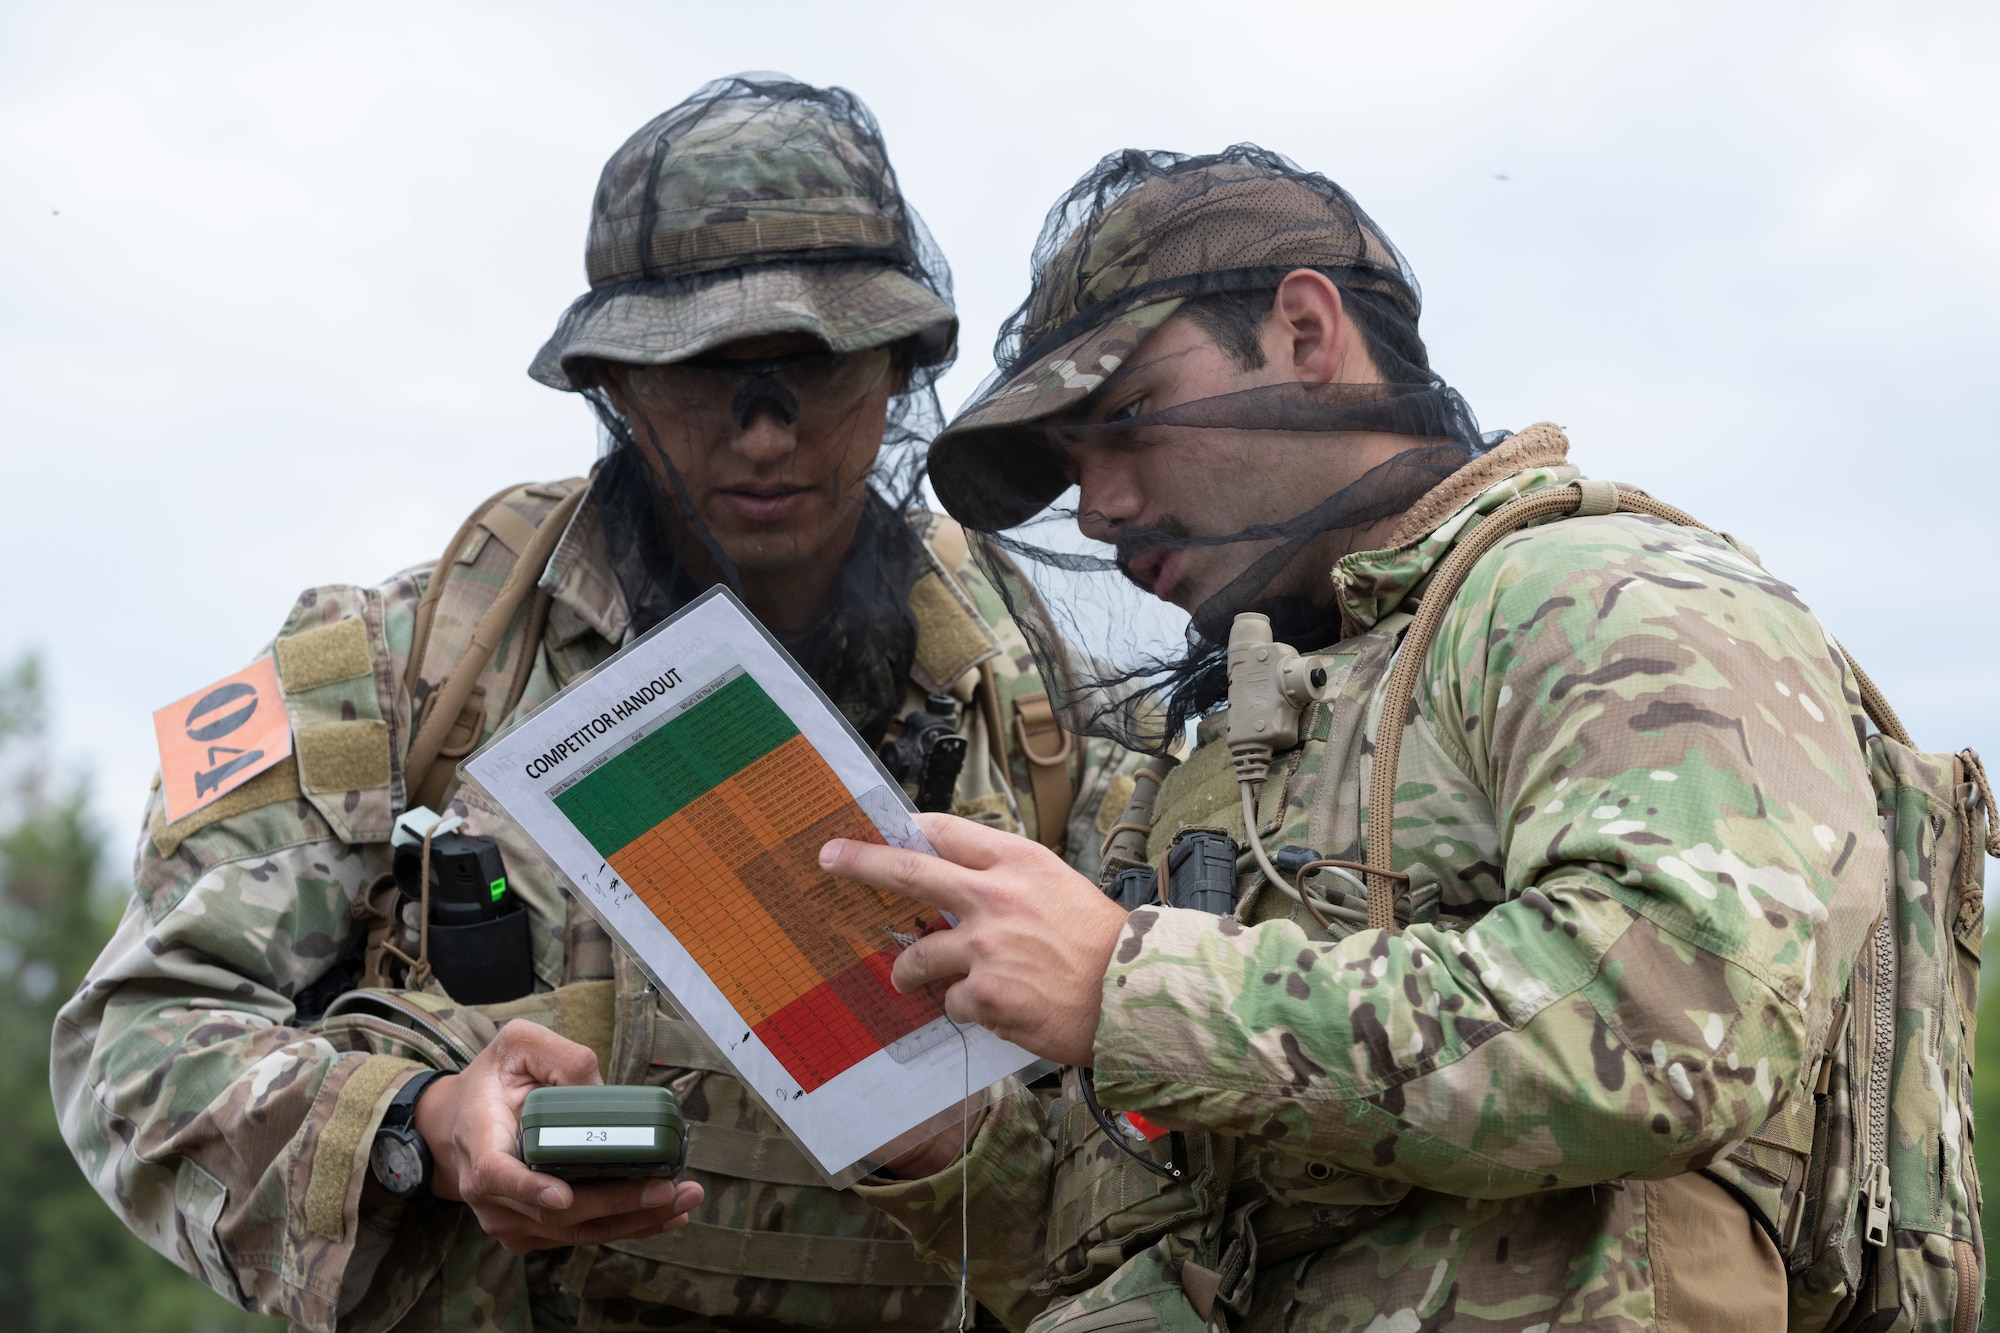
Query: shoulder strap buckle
x: 1034, y: 719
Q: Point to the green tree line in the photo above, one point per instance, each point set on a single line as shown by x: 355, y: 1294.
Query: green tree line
x: 67, y: 1265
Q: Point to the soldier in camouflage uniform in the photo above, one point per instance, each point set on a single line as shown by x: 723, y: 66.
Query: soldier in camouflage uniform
x: 765, y: 323
x: 1575, y: 1089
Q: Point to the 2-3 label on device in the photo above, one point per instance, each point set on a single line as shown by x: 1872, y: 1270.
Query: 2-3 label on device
x: 596, y: 1136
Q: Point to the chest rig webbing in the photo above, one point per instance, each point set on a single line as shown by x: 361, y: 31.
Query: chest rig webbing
x: 759, y: 1227
x: 1189, y: 1218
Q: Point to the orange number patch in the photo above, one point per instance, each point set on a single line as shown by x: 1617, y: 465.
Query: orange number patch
x: 217, y: 739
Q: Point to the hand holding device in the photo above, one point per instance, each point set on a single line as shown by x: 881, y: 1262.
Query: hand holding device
x: 471, y: 1120
x: 603, y: 1133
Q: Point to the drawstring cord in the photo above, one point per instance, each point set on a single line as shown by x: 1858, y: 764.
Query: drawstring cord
x: 420, y: 966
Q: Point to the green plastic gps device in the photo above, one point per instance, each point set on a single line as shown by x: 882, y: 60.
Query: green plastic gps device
x: 600, y: 1133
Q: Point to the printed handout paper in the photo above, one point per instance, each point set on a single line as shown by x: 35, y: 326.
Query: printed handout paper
x: 685, y: 788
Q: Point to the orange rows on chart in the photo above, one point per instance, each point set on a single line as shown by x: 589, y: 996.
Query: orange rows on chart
x: 699, y: 873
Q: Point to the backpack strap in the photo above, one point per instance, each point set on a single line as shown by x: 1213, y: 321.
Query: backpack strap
x: 429, y: 784
x: 1048, y: 768
x: 1583, y: 499
x: 430, y: 765
x: 434, y: 588
x: 1037, y: 734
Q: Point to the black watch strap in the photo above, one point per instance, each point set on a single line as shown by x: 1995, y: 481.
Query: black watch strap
x: 402, y: 1112
x: 401, y: 1160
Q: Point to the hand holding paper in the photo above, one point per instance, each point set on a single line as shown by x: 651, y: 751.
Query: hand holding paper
x: 686, y: 786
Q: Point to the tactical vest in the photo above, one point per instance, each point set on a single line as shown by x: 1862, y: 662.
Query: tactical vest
x: 1182, y: 1252
x: 1864, y: 1177
x: 488, y: 634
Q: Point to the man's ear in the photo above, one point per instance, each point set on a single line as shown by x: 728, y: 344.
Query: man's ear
x: 1307, y: 334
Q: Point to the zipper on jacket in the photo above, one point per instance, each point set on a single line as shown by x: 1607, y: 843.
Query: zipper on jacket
x: 1812, y: 1198
x: 1881, y: 1063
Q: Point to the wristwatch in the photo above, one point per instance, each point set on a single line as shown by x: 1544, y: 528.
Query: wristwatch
x: 400, y: 1158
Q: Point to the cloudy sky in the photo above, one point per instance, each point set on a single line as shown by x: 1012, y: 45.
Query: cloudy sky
x: 270, y: 275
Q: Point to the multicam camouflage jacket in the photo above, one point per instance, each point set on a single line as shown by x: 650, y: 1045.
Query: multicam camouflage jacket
x: 221, y: 1091
x: 1634, y: 801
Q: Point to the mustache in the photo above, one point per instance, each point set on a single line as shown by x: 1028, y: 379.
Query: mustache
x: 1384, y: 491
x: 1131, y: 543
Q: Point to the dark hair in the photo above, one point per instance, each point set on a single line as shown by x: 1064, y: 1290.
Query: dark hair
x: 1236, y: 319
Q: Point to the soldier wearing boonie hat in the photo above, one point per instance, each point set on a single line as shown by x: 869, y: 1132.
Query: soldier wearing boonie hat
x: 1483, y: 965
x: 765, y: 323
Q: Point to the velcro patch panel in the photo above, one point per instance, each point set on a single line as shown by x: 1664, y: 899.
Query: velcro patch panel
x: 321, y: 656
x: 343, y: 756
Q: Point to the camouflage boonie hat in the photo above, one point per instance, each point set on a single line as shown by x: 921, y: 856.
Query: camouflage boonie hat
x: 1110, y: 270
x: 760, y: 205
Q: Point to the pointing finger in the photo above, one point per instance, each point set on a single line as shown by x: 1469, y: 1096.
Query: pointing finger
x: 930, y: 880
x: 974, y: 846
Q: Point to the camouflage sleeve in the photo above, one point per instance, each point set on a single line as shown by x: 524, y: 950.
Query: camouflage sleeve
x: 231, y: 1141
x: 1667, y: 750
x: 1000, y: 1191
